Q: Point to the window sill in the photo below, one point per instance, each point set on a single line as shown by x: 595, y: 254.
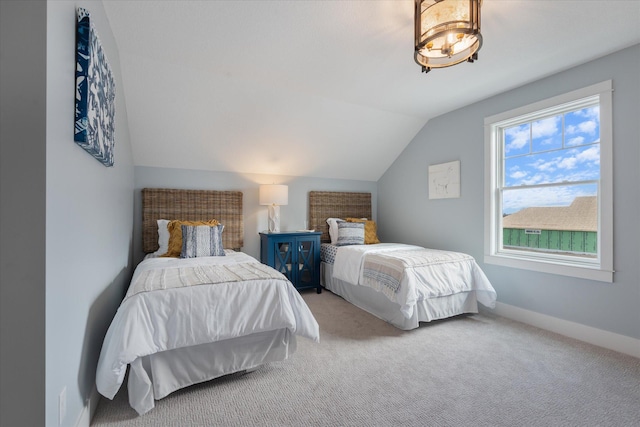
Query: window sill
x: 582, y: 272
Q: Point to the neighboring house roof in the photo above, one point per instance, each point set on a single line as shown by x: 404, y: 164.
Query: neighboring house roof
x: 581, y: 215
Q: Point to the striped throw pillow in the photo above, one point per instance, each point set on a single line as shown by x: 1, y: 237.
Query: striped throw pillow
x: 201, y: 240
x: 350, y: 233
x: 175, y: 235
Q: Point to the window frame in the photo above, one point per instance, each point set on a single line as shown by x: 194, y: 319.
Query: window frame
x: 600, y: 270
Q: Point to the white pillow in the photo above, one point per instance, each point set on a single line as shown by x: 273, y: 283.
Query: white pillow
x: 333, y: 229
x: 163, y: 237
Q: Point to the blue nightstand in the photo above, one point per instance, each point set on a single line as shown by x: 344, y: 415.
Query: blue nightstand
x: 294, y: 254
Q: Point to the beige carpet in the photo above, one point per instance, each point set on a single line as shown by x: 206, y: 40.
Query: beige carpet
x: 479, y: 370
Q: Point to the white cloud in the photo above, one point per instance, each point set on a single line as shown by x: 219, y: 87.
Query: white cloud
x: 545, y: 166
x: 591, y: 154
x: 518, y: 175
x: 579, y: 175
x: 519, y: 136
x: 546, y: 127
x: 536, y: 179
x: 588, y: 127
x: 547, y: 141
x: 578, y: 140
x: 567, y: 163
x: 572, y: 159
x: 590, y: 113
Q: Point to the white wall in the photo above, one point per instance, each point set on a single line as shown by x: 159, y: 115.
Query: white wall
x: 458, y: 224
x: 89, y: 222
x: 292, y: 216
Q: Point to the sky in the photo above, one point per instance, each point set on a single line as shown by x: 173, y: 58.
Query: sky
x: 562, y: 149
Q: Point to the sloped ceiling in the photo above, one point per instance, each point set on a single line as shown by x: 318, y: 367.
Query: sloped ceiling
x: 325, y: 88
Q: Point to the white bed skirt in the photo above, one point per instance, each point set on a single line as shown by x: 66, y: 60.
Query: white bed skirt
x: 156, y: 376
x: 380, y: 306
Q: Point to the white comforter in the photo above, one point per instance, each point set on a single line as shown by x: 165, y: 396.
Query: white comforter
x: 153, y: 321
x: 428, y: 274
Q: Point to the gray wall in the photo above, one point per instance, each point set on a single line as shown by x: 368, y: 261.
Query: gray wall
x: 292, y: 216
x: 89, y: 222
x: 458, y: 224
x: 22, y: 211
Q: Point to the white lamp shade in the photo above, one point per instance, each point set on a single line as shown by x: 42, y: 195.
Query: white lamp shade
x: 272, y: 194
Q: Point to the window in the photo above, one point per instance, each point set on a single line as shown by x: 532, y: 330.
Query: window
x: 548, y: 185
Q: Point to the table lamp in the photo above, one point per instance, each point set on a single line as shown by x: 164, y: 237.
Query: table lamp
x: 274, y: 196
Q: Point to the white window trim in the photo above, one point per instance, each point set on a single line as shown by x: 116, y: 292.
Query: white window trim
x: 602, y: 271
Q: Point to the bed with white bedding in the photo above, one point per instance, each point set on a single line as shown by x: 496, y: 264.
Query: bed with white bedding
x: 185, y: 321
x: 401, y: 284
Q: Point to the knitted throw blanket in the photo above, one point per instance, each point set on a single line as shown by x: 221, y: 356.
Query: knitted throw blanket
x: 384, y: 270
x: 170, y: 278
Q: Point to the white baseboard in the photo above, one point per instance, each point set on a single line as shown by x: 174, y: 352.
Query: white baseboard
x: 599, y: 337
x: 84, y: 419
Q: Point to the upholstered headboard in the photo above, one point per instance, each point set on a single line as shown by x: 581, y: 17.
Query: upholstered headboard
x: 336, y: 204
x: 193, y: 205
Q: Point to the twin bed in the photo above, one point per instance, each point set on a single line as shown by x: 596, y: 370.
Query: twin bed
x: 185, y: 321
x: 401, y: 284
x: 207, y: 314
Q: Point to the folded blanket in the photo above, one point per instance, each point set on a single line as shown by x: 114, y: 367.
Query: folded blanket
x: 348, y: 262
x: 387, y: 268
x: 172, y: 277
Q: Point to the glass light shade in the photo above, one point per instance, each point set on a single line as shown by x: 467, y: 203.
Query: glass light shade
x: 272, y: 194
x: 447, y: 32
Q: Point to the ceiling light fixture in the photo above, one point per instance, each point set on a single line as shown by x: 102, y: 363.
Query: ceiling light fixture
x: 447, y: 32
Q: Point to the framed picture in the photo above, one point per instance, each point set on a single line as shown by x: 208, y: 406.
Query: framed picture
x: 94, y: 128
x: 444, y: 180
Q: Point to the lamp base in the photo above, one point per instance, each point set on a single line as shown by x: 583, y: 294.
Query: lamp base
x: 274, y: 219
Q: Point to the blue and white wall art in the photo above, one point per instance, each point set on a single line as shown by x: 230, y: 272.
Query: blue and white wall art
x: 95, y: 93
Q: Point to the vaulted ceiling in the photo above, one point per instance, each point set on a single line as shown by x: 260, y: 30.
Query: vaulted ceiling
x: 325, y: 88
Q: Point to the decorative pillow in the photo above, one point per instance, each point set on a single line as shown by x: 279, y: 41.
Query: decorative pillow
x: 175, y: 235
x: 333, y: 229
x: 350, y: 233
x: 201, y: 240
x: 370, y: 230
x: 163, y: 237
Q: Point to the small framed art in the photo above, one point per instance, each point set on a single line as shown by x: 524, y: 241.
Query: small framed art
x: 444, y: 180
